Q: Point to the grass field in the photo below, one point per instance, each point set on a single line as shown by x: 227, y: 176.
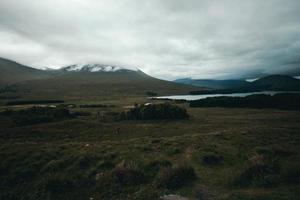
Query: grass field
x: 215, y: 154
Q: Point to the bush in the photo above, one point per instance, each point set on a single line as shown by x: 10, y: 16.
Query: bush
x: 154, y: 111
x: 54, y: 166
x: 211, y: 158
x: 291, y: 175
x: 56, y: 184
x: 107, y: 187
x: 129, y: 173
x: 173, y: 150
x: 148, y: 193
x: 259, y: 170
x: 105, y: 164
x: 149, y: 93
x: 37, y: 115
x: 176, y: 177
x: 274, y: 151
x: 264, y: 151
x: 153, y: 167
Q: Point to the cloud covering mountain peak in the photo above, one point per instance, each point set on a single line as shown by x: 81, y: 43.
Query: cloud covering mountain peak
x: 96, y: 68
x: 169, y: 39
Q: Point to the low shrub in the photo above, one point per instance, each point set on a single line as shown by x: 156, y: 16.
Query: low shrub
x: 54, y: 166
x: 36, y: 115
x: 259, y: 170
x: 176, y: 177
x: 108, y: 186
x: 154, y: 112
x: 105, y: 165
x: 264, y: 151
x: 56, y: 184
x: 291, y: 174
x: 149, y: 93
x: 274, y: 151
x: 201, y: 192
x: 211, y: 158
x: 173, y: 150
x: 81, y: 114
x: 153, y: 167
x: 148, y: 193
x: 129, y: 173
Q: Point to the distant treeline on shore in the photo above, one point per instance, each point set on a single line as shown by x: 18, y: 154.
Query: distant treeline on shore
x: 154, y: 112
x: 289, y: 101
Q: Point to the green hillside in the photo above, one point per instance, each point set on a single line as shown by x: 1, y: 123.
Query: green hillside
x: 214, y: 84
x: 272, y: 82
x: 278, y: 82
x: 12, y: 72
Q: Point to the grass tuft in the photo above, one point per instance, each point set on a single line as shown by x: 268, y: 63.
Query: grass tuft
x: 259, y: 170
x: 176, y: 177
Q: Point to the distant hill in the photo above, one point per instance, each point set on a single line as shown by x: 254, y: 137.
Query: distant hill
x: 278, y: 82
x: 272, y: 82
x: 214, y: 84
x: 83, y: 82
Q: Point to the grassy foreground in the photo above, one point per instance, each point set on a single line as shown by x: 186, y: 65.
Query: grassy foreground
x: 215, y: 154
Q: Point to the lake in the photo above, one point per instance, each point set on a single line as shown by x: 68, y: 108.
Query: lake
x: 203, y: 96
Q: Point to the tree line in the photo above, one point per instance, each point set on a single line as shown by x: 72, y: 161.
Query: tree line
x: 154, y: 112
x: 287, y: 101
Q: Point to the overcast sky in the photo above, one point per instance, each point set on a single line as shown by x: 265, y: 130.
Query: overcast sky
x: 165, y: 38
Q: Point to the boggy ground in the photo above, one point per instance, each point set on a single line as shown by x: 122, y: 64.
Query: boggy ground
x: 216, y: 154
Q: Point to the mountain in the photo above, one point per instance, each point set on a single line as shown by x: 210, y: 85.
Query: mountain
x: 214, y: 84
x: 96, y: 68
x: 82, y: 82
x: 278, y: 82
x: 272, y: 82
x: 12, y: 72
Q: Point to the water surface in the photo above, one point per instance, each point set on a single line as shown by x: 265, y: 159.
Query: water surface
x: 203, y: 96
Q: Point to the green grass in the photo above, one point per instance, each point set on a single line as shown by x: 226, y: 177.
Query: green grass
x: 88, y: 157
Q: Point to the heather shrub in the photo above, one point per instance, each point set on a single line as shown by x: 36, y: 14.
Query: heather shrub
x: 176, y: 176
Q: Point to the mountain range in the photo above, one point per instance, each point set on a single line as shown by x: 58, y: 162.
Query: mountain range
x: 213, y: 84
x: 271, y: 82
x: 93, y: 82
x: 90, y: 82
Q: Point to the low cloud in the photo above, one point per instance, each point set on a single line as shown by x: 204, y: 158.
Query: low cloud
x: 168, y: 39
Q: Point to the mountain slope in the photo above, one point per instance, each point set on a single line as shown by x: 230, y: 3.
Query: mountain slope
x: 214, y: 84
x: 89, y: 82
x: 272, y: 82
x: 12, y: 72
x: 99, y: 86
x: 278, y: 82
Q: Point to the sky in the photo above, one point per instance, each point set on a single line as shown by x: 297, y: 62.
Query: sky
x: 167, y: 39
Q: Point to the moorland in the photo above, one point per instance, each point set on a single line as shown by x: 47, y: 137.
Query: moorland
x: 98, y: 136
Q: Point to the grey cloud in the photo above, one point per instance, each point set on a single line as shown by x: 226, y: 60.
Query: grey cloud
x: 167, y: 39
